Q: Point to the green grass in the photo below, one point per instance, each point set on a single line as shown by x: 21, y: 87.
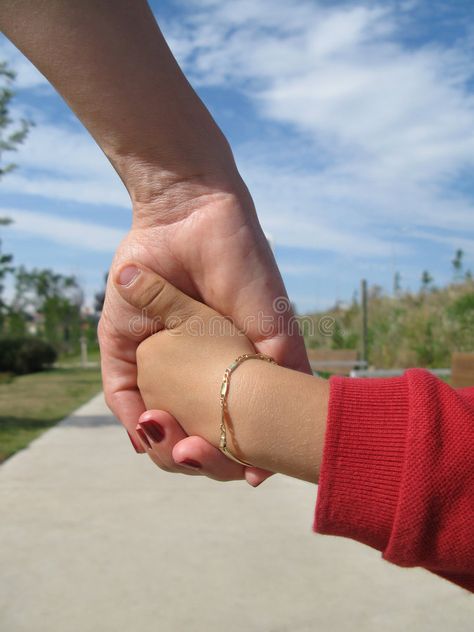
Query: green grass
x: 30, y: 404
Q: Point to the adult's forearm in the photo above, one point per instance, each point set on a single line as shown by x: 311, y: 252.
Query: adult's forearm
x: 113, y: 67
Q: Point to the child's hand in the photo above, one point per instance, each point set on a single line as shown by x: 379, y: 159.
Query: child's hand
x: 278, y: 415
x: 180, y: 368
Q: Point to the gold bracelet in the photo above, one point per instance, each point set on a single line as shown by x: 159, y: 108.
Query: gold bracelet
x: 223, y: 399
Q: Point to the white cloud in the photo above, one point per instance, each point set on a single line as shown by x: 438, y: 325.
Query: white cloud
x: 394, y: 125
x: 62, y: 163
x: 82, y: 235
x: 93, y: 191
x: 300, y: 210
x: 455, y: 242
x: 63, y: 151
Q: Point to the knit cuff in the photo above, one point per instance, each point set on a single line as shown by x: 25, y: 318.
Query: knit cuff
x: 363, y: 458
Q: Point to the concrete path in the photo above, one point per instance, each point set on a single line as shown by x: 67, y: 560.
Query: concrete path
x: 95, y: 539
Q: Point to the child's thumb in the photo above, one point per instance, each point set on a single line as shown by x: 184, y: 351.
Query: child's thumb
x: 154, y: 296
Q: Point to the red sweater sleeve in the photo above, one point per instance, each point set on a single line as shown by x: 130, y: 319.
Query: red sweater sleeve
x: 398, y: 471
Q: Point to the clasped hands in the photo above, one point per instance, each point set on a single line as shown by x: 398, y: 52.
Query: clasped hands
x: 207, y: 242
x: 180, y: 369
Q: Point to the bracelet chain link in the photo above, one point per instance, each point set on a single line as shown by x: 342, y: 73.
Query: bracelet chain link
x: 224, y: 404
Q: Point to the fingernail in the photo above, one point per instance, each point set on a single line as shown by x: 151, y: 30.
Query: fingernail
x: 153, y: 429
x: 128, y: 274
x: 143, y: 437
x: 194, y: 465
x: 138, y: 448
x: 253, y: 479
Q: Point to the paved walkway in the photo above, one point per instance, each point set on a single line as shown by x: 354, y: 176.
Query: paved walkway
x: 96, y: 539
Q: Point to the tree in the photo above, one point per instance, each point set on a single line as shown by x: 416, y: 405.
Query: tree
x: 397, y: 283
x: 9, y: 141
x: 462, y: 314
x: 457, y: 264
x: 55, y: 300
x: 426, y: 281
x: 99, y: 297
x: 5, y: 269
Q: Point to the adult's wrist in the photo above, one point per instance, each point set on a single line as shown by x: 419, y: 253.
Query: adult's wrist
x: 147, y: 169
x: 159, y: 195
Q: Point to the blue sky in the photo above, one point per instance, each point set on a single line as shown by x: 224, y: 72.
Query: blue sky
x: 352, y: 123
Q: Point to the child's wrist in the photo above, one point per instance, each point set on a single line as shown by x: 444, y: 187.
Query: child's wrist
x: 279, y: 418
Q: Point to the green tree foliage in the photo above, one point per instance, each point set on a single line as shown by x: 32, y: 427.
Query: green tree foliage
x: 54, y: 301
x: 25, y: 355
x: 461, y: 313
x: 12, y: 134
x: 397, y: 283
x: 6, y: 268
x: 408, y: 329
x: 99, y: 297
x: 46, y: 304
x: 458, y: 263
x: 344, y: 337
x: 426, y: 281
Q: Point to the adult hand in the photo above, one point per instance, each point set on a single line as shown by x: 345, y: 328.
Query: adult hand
x: 211, y: 246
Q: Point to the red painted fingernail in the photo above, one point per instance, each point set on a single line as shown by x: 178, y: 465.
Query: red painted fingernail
x: 194, y: 465
x: 153, y: 429
x: 138, y: 448
x: 143, y: 437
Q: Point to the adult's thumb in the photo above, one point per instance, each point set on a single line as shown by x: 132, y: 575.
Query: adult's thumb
x: 157, y: 299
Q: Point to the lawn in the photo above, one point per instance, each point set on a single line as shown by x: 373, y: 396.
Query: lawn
x: 30, y: 404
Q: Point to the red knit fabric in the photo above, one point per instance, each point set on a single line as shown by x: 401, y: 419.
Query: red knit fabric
x: 398, y: 471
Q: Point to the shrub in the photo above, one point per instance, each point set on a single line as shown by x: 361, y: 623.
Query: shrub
x: 25, y: 355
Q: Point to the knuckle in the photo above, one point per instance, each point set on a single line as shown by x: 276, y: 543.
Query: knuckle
x: 151, y: 295
x: 144, y: 350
